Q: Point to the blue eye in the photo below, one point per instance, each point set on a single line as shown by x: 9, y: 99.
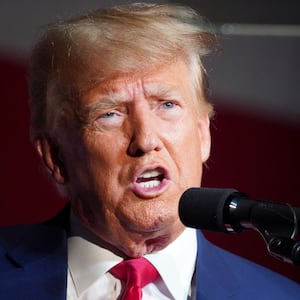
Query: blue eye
x: 109, y: 120
x: 108, y: 114
x: 168, y: 105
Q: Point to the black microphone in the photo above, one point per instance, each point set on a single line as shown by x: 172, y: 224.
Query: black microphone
x: 227, y: 210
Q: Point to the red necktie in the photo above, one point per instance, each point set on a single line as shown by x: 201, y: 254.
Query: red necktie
x: 135, y: 273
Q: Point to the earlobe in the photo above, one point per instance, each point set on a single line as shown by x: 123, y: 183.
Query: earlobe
x: 48, y: 152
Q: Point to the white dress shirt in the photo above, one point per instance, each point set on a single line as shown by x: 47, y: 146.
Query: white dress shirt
x: 88, y: 265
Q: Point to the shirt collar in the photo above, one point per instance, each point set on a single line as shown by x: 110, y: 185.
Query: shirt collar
x: 175, y: 263
x: 87, y: 262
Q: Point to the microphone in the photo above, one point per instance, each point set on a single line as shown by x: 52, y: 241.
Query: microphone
x: 227, y: 210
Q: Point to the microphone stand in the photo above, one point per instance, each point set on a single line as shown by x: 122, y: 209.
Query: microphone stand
x: 283, y: 248
x: 230, y: 211
x: 277, y: 224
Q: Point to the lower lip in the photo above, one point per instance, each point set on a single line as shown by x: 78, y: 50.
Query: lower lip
x: 150, y: 192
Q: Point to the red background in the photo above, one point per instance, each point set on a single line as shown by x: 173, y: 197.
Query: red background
x: 251, y: 153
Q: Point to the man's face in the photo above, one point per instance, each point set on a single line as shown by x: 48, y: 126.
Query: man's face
x: 142, y: 146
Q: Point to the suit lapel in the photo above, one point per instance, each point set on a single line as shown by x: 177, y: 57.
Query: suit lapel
x: 214, y: 279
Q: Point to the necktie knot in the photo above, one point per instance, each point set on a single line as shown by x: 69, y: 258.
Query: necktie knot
x: 135, y: 273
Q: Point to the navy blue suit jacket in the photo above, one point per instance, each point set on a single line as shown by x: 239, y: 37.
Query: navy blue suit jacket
x: 33, y: 266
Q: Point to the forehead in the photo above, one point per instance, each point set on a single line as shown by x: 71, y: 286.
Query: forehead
x: 170, y: 81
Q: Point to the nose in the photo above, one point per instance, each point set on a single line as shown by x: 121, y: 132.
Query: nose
x: 145, y: 135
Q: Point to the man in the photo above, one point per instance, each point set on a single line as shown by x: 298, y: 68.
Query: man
x: 121, y: 121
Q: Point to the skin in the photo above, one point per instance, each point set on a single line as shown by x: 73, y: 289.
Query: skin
x: 136, y: 123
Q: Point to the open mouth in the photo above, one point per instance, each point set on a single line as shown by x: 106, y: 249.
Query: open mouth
x: 151, y: 182
x: 150, y: 179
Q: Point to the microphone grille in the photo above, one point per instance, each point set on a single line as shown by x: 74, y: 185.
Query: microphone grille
x: 203, y: 208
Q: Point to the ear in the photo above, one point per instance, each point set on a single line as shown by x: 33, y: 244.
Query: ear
x: 50, y: 154
x: 205, y: 137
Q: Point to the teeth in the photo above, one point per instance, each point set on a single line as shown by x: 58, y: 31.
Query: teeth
x: 150, y: 179
x: 150, y: 174
x: 149, y: 184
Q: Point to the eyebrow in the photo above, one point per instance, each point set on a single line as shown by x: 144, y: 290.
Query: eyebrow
x: 87, y: 112
x: 162, y: 90
x: 113, y: 98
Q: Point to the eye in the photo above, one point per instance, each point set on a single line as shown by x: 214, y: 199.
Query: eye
x: 109, y: 120
x: 169, y: 109
x: 168, y: 105
x: 109, y: 114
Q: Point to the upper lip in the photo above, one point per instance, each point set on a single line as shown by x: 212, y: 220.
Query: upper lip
x: 151, y: 171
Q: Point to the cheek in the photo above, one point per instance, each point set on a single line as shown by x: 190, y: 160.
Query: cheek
x: 108, y: 149
x: 106, y: 159
x: 89, y: 165
x: 187, y: 153
x: 186, y: 138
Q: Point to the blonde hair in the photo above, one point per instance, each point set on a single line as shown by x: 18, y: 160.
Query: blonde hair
x: 74, y: 55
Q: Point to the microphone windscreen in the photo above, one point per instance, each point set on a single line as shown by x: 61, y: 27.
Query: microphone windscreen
x: 203, y: 208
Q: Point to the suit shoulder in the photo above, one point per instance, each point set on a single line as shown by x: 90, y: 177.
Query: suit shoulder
x: 51, y: 230
x: 36, y: 241
x: 225, y: 272
x: 13, y: 235
x: 33, y: 258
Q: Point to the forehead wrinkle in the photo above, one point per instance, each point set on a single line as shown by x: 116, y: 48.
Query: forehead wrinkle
x: 107, y: 98
x: 124, y: 90
x: 134, y: 89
